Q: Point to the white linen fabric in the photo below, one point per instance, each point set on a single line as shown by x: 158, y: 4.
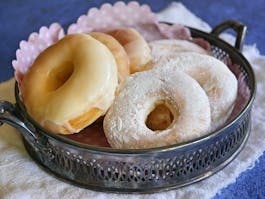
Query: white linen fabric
x: 22, y: 178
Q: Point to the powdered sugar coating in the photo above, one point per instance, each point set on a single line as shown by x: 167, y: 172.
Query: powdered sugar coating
x: 168, y: 47
x: 124, y: 124
x: 215, y: 78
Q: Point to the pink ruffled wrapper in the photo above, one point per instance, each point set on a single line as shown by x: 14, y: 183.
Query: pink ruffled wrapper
x: 243, y: 92
x: 36, y: 43
x: 132, y: 15
x: 109, y: 17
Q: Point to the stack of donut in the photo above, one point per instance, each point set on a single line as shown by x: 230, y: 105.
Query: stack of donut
x: 73, y: 82
x: 150, y: 94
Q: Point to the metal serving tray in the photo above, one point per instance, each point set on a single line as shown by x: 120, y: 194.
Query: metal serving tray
x: 147, y: 170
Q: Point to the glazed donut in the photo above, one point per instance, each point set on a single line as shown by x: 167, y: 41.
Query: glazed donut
x: 118, y: 52
x: 70, y: 84
x: 124, y: 124
x: 160, y: 48
x: 136, y: 47
x: 215, y: 78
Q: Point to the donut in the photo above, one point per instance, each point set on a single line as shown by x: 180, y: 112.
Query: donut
x: 118, y: 52
x: 125, y: 122
x: 167, y: 47
x: 70, y: 84
x: 215, y: 78
x: 136, y: 47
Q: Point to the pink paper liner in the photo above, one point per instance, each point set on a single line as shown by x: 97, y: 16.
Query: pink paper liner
x: 108, y: 17
x: 243, y: 92
x: 36, y: 43
x: 133, y: 15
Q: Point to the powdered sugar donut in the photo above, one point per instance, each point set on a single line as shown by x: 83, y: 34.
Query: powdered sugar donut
x: 160, y: 48
x: 215, y: 78
x: 124, y: 124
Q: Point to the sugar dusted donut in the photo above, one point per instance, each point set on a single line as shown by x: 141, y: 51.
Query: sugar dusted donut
x: 70, y: 84
x: 215, y: 78
x: 124, y: 124
x: 118, y: 52
x: 167, y: 47
x: 135, y: 46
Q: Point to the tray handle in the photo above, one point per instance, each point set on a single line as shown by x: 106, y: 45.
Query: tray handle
x: 239, y: 28
x: 10, y: 115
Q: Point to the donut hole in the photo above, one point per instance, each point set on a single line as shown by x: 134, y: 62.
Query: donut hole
x: 59, y: 75
x: 160, y: 118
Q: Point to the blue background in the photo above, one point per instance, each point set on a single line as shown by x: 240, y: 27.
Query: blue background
x: 19, y: 18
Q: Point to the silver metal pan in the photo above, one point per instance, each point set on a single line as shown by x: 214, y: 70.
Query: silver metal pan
x: 147, y: 170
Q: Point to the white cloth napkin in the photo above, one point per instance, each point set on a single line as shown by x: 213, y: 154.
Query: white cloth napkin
x: 22, y: 178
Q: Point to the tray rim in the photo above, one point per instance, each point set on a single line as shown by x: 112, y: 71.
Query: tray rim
x: 140, y: 191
